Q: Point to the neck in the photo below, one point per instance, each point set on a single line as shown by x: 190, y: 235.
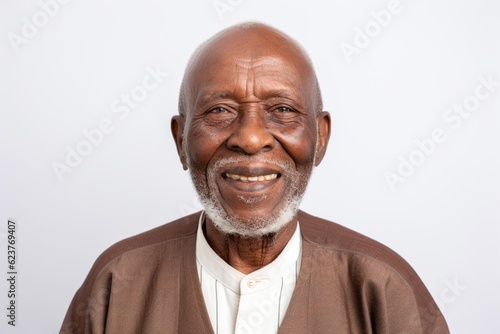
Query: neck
x: 248, y: 254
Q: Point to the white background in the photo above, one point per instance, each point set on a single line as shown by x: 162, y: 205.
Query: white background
x: 443, y: 219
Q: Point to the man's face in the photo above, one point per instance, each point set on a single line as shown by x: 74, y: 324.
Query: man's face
x: 250, y: 138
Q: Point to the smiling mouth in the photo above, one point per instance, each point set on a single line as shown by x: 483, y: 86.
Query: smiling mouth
x: 255, y: 178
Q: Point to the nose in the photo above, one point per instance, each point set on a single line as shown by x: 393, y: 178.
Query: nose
x: 251, y: 134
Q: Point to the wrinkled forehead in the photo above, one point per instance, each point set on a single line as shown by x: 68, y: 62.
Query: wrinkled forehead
x: 261, y: 59
x: 249, y: 74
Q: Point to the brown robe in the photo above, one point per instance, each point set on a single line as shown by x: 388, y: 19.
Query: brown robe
x: 348, y: 283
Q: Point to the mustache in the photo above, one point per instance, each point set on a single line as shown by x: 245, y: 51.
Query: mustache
x: 224, y: 162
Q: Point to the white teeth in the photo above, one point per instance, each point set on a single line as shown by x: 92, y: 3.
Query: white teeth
x: 252, y: 178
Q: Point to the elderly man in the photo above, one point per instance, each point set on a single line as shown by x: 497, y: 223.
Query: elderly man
x: 250, y: 130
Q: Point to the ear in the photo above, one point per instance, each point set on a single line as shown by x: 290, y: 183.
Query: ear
x: 177, y: 128
x: 324, y: 128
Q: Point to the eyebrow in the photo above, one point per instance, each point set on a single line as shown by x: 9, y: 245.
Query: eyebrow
x: 221, y: 95
x: 276, y: 93
x: 286, y: 93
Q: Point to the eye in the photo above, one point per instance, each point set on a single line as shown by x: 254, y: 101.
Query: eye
x: 219, y: 115
x: 284, y: 109
x: 218, y: 110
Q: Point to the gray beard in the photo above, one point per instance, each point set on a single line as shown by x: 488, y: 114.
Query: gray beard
x: 256, y: 227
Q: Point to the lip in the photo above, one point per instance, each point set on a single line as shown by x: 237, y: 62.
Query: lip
x: 253, y: 186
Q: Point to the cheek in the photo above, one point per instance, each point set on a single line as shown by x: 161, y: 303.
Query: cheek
x: 201, y: 145
x: 299, y: 143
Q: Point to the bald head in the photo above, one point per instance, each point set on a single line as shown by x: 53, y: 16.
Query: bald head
x: 249, y: 41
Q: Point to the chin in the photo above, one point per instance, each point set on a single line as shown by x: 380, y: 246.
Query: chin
x: 255, y: 227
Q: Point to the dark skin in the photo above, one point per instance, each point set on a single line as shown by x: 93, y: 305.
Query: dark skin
x: 250, y: 92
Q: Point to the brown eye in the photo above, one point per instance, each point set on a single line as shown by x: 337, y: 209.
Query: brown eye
x: 218, y: 110
x: 284, y: 109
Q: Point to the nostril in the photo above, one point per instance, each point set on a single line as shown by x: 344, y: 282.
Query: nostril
x: 250, y: 135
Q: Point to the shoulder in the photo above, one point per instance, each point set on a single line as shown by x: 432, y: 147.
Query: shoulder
x: 129, y: 267
x: 354, y: 247
x: 352, y: 252
x: 339, y: 238
x: 365, y: 266
x: 177, y: 230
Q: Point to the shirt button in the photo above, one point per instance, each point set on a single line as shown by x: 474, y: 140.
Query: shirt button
x: 252, y: 283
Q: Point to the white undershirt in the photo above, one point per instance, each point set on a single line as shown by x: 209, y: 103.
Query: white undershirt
x: 253, y: 303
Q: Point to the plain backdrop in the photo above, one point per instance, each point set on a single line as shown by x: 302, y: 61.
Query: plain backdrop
x: 393, y: 89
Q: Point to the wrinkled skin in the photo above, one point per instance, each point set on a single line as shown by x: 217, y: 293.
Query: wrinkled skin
x: 250, y: 131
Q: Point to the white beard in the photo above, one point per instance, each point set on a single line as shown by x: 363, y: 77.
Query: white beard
x: 256, y: 227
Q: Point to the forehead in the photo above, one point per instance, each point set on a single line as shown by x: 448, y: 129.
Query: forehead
x: 250, y: 65
x: 266, y: 76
